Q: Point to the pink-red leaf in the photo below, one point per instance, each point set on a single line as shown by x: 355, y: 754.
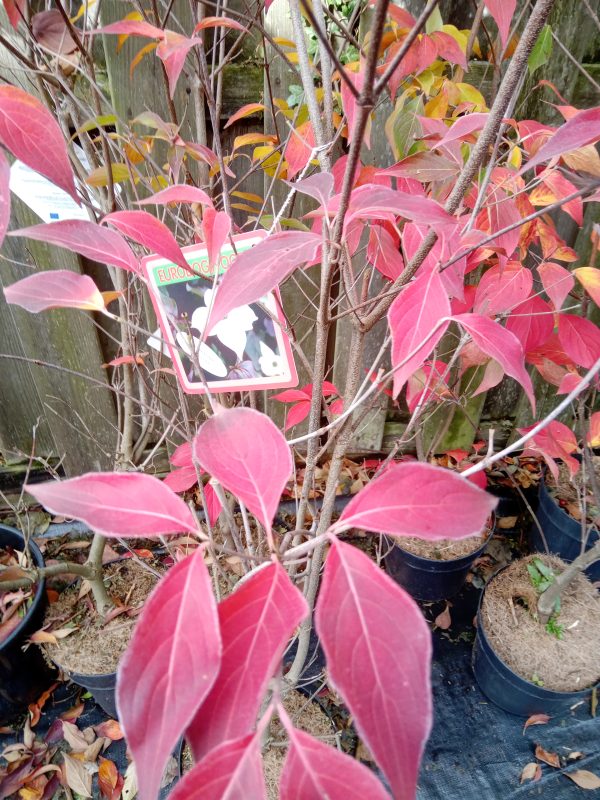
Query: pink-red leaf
x: 218, y: 22
x: 249, y: 456
x: 383, y: 252
x: 501, y: 344
x: 299, y: 148
x: 169, y: 667
x: 448, y: 48
x: 213, y: 504
x: 216, y: 226
x: 33, y: 136
x: 260, y: 269
x: 297, y: 414
x: 148, y: 231
x: 463, y: 127
x: 85, y: 238
x: 580, y: 130
x: 244, y: 111
x: 502, y: 11
x: 182, y: 455
x: 557, y: 282
x: 580, y: 339
x: 172, y: 51
x: 416, y: 320
x: 133, y: 27
x: 4, y: 196
x: 180, y: 480
x: 318, y: 186
x: 371, y: 201
x: 416, y: 499
x: 314, y: 770
x: 117, y: 503
x: 179, y: 193
x: 378, y: 650
x: 532, y: 323
x: 231, y: 771
x: 55, y: 288
x: 15, y: 10
x: 502, y: 289
x: 256, y: 622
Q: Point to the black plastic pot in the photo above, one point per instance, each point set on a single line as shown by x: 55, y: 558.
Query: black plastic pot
x: 24, y: 675
x: 428, y: 578
x: 561, y: 531
x: 101, y: 687
x: 507, y: 690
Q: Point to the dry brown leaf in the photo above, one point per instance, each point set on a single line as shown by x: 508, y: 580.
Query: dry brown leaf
x: 531, y: 772
x: 444, y: 620
x: 575, y: 755
x: 77, y: 776
x: 536, y: 719
x: 74, y: 737
x: 43, y: 637
x: 111, y: 729
x: 551, y: 759
x: 506, y: 523
x: 93, y: 750
x: 594, y: 701
x: 584, y: 779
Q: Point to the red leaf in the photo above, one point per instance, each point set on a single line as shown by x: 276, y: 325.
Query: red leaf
x: 213, y: 504
x: 582, y: 129
x: 110, y: 782
x: 318, y: 186
x: 297, y: 414
x: 314, y: 770
x: 349, y: 104
x: 502, y: 289
x: 260, y: 269
x: 86, y: 238
x: 33, y: 136
x: 249, y: 456
x: 532, y: 323
x: 56, y: 288
x: 415, y: 499
x: 448, y: 48
x: 4, y: 196
x: 593, y: 436
x: 121, y: 360
x: 580, y: 339
x: 416, y: 318
x: 148, y: 231
x: 256, y: 623
x: 383, y: 252
x: 500, y: 344
x: 502, y: 11
x: 299, y: 148
x: 463, y: 127
x: 425, y: 383
x: 556, y: 440
x: 182, y: 455
x: 218, y: 22
x: 378, y: 650
x: 14, y: 10
x: 172, y: 51
x: 179, y: 193
x: 232, y: 770
x: 244, y: 111
x: 292, y: 396
x: 371, y: 201
x: 177, y: 641
x: 216, y: 226
x: 536, y: 719
x: 557, y: 282
x: 180, y: 480
x: 133, y: 27
x: 117, y: 503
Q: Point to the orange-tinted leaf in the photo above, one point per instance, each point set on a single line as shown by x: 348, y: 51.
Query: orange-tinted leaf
x: 536, y: 719
x: 148, y: 48
x: 551, y: 759
x: 253, y: 138
x: 593, y: 436
x: 589, y: 277
x: 244, y: 111
x: 531, y: 772
x: 117, y: 362
x: 110, y: 782
x: 111, y: 729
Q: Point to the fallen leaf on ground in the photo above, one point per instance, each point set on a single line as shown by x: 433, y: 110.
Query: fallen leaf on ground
x: 536, y: 719
x: 444, y: 620
x: 506, y: 523
x: 77, y: 776
x: 584, y: 779
x: 531, y: 772
x: 111, y: 729
x: 551, y: 759
x: 74, y: 737
x: 575, y: 755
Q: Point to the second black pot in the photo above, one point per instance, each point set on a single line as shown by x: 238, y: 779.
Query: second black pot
x: 427, y: 578
x: 24, y: 675
x: 561, y: 531
x: 101, y: 687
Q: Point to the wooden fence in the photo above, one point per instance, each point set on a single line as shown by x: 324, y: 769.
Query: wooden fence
x: 52, y: 382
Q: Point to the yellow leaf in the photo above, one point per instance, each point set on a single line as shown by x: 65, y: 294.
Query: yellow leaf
x: 110, y: 297
x: 139, y: 56
x: 460, y: 37
x: 426, y: 79
x: 515, y: 158
x: 158, y: 182
x: 136, y: 149
x: 253, y: 138
x: 252, y: 198
x: 469, y: 94
x: 99, y: 177
x: 82, y: 10
x: 437, y: 107
x: 244, y: 207
x: 589, y: 277
x: 284, y: 42
x: 584, y: 159
x: 122, y: 38
x: 271, y: 160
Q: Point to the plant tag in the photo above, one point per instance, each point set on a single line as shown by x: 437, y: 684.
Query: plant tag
x: 246, y: 350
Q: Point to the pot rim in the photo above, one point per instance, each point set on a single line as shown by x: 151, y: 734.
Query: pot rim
x: 481, y: 632
x: 474, y: 554
x: 38, y: 559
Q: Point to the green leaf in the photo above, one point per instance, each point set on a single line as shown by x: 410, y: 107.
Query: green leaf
x: 542, y: 50
x: 435, y: 21
x: 96, y: 122
x: 546, y: 571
